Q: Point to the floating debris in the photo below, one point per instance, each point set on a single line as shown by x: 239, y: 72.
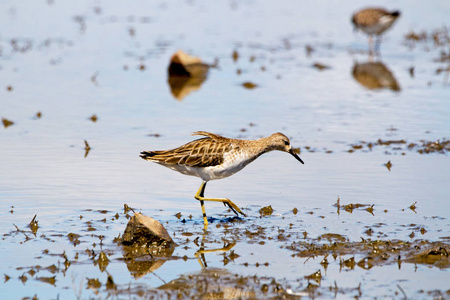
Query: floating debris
x: 309, y: 50
x: 416, y: 37
x: 388, y: 165
x: 349, y: 263
x: 74, y: 238
x: 93, y: 283
x: 21, y: 45
x: 437, y: 146
x: 127, y: 209
x: 333, y: 237
x: 23, y: 278
x: 325, y: 262
x: 352, y: 206
x: 320, y: 67
x: 157, y: 135
x: 235, y: 56
x: 437, y: 257
x: 7, y: 123
x: 93, y: 118
x: 266, y: 211
x: 110, y: 285
x: 411, y: 72
x: 317, y: 276
x: 439, y: 37
x: 94, y: 79
x: 423, y: 147
x: 370, y: 209
x: 34, y: 225
x: 249, y: 85
x: 102, y: 261
x: 49, y: 280
x: 87, y: 148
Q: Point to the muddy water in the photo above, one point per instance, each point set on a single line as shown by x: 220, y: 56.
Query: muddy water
x: 365, y: 141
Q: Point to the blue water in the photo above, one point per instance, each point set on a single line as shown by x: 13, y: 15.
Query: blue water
x: 65, y: 45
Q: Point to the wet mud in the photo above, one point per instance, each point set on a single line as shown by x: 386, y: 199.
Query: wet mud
x: 95, y: 246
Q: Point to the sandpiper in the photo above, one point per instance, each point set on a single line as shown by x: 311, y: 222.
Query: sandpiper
x: 217, y: 157
x: 374, y: 21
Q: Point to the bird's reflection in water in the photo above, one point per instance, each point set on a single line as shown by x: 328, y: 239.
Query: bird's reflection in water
x: 374, y: 76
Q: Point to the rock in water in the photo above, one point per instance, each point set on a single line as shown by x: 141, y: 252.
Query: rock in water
x: 183, y: 64
x: 145, y: 230
x: 186, y: 74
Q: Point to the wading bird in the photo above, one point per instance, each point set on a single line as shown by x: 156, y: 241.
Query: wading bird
x: 217, y: 157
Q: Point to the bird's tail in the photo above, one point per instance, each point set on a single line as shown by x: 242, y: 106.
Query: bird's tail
x: 396, y: 13
x: 148, y: 155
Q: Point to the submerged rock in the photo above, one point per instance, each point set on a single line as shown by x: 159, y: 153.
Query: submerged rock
x: 144, y: 230
x: 146, y: 245
x: 186, y: 74
x: 183, y: 64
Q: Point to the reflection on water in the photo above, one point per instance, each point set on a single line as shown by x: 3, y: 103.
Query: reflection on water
x: 143, y: 261
x: 375, y: 75
x: 215, y: 283
x: 200, y: 254
x: 181, y: 86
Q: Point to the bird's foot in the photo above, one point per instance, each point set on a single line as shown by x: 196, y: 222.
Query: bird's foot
x: 234, y: 207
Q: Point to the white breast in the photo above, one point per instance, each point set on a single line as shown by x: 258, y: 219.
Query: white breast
x: 382, y: 25
x: 233, y: 163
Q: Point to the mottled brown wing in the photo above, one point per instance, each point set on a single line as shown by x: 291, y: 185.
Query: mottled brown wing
x: 199, y: 153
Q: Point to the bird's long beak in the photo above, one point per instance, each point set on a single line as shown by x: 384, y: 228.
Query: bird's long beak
x: 291, y: 151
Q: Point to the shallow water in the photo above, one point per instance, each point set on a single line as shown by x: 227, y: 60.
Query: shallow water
x: 71, y: 61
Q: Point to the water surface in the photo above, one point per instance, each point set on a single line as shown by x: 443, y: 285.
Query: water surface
x: 72, y: 61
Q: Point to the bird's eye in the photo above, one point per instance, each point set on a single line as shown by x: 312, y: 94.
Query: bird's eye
x: 286, y: 143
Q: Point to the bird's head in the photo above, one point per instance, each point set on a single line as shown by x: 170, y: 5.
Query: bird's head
x: 281, y: 142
